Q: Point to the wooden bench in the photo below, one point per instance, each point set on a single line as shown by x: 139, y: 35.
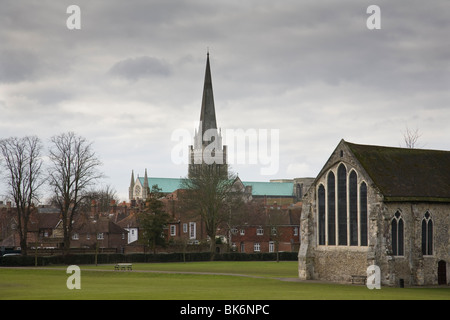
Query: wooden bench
x: 123, y: 266
x: 359, y: 279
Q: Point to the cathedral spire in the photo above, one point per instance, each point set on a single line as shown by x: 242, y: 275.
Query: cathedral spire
x: 208, y: 112
x: 207, y: 148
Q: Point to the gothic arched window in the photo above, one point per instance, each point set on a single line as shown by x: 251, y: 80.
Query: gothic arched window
x: 137, y: 191
x: 353, y: 207
x: 397, y: 230
x: 427, y: 235
x: 331, y: 200
x: 363, y: 213
x: 342, y: 204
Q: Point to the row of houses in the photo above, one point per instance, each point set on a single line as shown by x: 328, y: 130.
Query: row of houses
x: 268, y: 228
x: 45, y: 230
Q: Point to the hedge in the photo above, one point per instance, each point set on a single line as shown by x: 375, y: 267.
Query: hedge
x: 111, y: 258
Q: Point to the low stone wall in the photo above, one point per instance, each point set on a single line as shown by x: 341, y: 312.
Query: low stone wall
x: 339, y: 265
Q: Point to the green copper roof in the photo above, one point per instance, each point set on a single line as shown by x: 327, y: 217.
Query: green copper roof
x: 279, y: 189
x: 167, y: 185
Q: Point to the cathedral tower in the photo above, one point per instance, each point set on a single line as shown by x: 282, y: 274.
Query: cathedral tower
x: 207, y: 148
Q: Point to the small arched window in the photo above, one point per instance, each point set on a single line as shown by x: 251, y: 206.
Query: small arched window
x: 397, y: 231
x: 427, y: 235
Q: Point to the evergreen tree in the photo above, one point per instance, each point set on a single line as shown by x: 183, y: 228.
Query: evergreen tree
x: 154, y: 219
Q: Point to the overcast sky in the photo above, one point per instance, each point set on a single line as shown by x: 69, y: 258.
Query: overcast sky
x: 133, y: 74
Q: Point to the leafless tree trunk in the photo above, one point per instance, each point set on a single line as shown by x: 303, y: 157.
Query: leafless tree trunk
x: 275, y: 221
x: 73, y: 169
x: 23, y: 176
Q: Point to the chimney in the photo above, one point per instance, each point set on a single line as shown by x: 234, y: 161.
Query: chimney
x: 93, y: 208
x: 113, y: 206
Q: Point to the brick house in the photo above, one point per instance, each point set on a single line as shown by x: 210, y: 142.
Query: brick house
x: 42, y: 227
x: 45, y: 230
x: 184, y: 228
x: 101, y: 232
x: 273, y: 228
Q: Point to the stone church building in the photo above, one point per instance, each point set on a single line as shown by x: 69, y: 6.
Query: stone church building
x: 384, y: 206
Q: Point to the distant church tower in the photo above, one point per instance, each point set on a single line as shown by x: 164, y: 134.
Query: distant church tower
x: 131, y: 188
x: 207, y: 148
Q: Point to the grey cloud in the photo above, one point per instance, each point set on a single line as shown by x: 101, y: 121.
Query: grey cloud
x: 51, y: 97
x: 141, y: 67
x: 311, y: 68
x: 17, y: 66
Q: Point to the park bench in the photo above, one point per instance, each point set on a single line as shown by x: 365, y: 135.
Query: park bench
x: 123, y: 266
x: 359, y: 279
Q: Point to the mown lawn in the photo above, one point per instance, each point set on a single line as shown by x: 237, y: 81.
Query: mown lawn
x: 252, y: 281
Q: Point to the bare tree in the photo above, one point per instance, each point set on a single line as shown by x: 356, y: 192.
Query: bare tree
x: 73, y: 169
x: 212, y: 194
x: 23, y: 176
x: 103, y: 197
x: 411, y: 138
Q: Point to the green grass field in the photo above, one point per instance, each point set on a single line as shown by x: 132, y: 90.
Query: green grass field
x: 192, y: 281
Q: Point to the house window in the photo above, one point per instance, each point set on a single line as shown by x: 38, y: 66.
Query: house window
x: 363, y: 213
x: 274, y: 231
x: 331, y: 200
x: 185, y: 227
x: 242, y: 232
x: 271, y: 246
x: 173, y: 230
x: 427, y: 235
x: 397, y: 229
x: 88, y: 236
x: 257, y: 247
x: 75, y: 236
x: 192, y: 230
x: 321, y: 209
x: 259, y: 231
x: 100, y: 236
x: 353, y: 207
x: 342, y: 205
x: 295, y: 231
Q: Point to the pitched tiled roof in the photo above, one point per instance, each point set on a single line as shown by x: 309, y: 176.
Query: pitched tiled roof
x: 404, y: 174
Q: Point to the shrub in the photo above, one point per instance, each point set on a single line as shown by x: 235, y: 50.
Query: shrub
x: 112, y: 258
